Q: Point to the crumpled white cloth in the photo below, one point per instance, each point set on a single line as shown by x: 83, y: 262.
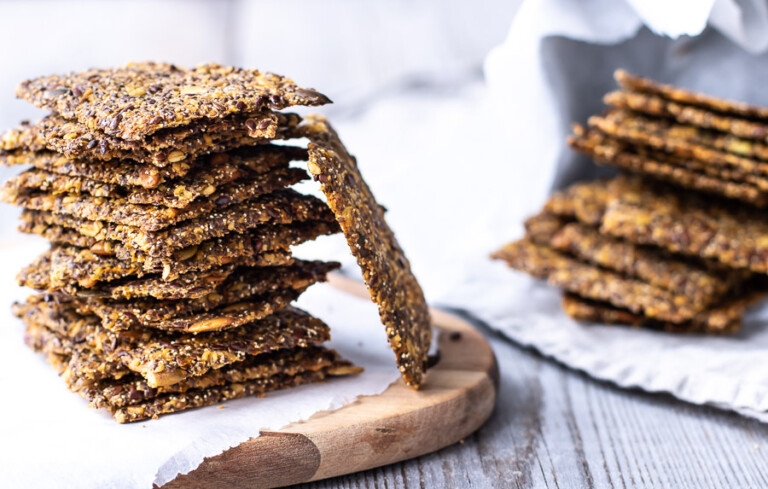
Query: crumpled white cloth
x: 727, y: 372
x: 552, y: 70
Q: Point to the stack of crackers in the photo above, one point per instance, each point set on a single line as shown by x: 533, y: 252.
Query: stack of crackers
x: 678, y: 243
x: 170, y: 277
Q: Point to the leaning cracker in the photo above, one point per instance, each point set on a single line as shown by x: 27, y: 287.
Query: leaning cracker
x: 138, y: 99
x: 596, y: 283
x: 386, y: 270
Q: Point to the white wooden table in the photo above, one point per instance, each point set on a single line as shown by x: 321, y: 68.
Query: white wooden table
x: 557, y: 428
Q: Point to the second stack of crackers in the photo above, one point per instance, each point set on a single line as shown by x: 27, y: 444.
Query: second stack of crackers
x: 680, y: 242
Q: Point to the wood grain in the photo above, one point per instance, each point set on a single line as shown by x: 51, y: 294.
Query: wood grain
x: 555, y: 428
x: 458, y: 396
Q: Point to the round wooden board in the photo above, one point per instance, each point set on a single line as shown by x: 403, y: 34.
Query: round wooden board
x: 401, y: 423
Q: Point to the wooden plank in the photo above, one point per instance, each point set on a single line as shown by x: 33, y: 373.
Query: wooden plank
x: 401, y: 423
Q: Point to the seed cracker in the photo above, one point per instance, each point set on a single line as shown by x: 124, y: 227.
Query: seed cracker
x: 152, y: 217
x: 203, y: 181
x: 582, y: 309
x: 127, y: 403
x: 134, y: 390
x: 280, y: 207
x: 723, y: 318
x: 386, y: 270
x: 688, y: 97
x: 663, y: 167
x: 196, y: 285
x: 699, y: 283
x: 686, y: 114
x: 173, y: 403
x: 684, y: 223
x: 117, y: 172
x: 170, y: 146
x: 71, y: 355
x: 208, y: 254
x: 138, y: 99
x: 166, y: 359
x: 62, y: 266
x: 223, y: 285
x: 544, y: 226
x: 595, y: 283
x: 192, y: 316
x: 702, y: 281
x: 585, y: 201
x: 683, y: 141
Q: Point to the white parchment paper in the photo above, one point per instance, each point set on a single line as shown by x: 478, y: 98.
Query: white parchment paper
x: 49, y: 438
